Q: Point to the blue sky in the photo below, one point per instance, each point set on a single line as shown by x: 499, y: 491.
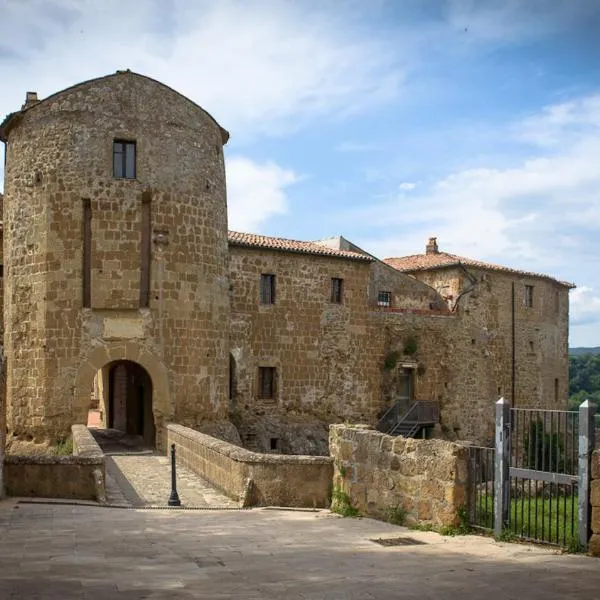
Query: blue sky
x: 384, y: 121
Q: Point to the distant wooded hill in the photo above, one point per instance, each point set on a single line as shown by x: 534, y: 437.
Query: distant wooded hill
x: 580, y: 351
x: 584, y: 377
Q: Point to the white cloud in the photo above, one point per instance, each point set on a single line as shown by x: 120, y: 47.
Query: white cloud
x: 585, y: 306
x: 260, y: 67
x: 407, y: 186
x: 526, y: 215
x: 256, y: 192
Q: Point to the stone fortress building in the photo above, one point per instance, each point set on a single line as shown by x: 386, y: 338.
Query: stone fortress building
x: 119, y: 276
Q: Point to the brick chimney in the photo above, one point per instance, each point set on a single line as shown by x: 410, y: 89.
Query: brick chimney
x: 432, y: 247
x: 31, y: 98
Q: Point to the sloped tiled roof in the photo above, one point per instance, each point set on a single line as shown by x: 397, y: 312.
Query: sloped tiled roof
x: 252, y: 240
x: 439, y: 260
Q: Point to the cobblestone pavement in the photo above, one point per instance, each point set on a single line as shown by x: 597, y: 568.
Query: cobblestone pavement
x: 137, y: 476
x: 50, y: 551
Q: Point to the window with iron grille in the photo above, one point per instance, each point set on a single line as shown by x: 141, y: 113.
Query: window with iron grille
x: 384, y: 299
x: 267, y: 288
x: 266, y: 383
x: 124, y: 159
x: 337, y: 290
x: 528, y: 296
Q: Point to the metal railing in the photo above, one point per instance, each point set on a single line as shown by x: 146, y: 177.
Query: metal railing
x: 418, y: 414
x: 481, y: 478
x: 542, y: 474
x: 543, y: 478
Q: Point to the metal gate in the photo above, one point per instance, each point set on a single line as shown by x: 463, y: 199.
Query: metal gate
x: 542, y: 474
x: 480, y: 495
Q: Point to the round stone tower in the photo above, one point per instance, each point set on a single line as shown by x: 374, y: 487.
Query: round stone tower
x: 115, y: 260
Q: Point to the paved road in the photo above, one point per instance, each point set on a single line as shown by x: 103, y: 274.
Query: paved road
x: 63, y: 552
x: 137, y: 476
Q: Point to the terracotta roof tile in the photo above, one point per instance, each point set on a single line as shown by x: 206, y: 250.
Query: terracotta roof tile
x: 427, y: 262
x: 252, y: 240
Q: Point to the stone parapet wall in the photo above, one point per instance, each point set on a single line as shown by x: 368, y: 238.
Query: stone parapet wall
x: 594, y: 546
x: 81, y: 476
x: 425, y: 480
x: 252, y: 478
x: 84, y: 443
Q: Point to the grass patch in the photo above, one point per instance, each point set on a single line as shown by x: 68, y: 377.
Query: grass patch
x: 396, y: 515
x: 421, y: 527
x: 547, y: 520
x: 341, y: 504
x: 63, y: 447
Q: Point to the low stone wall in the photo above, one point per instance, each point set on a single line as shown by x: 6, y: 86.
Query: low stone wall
x: 252, y: 478
x: 594, y: 546
x: 80, y: 476
x: 422, y: 480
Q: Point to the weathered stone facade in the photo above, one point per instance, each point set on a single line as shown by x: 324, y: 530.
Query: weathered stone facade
x: 60, y: 155
x: 270, y: 340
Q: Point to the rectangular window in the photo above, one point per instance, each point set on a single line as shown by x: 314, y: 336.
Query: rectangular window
x: 267, y: 288
x: 384, y: 299
x: 337, y: 290
x: 123, y: 159
x: 528, y: 296
x: 87, y: 253
x: 266, y: 383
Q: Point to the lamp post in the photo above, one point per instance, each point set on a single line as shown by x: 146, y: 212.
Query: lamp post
x: 174, y: 497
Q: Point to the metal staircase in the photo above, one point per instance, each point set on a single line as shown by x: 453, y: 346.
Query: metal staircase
x: 398, y: 420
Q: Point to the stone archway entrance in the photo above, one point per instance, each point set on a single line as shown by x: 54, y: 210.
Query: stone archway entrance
x: 147, y: 371
x: 129, y: 400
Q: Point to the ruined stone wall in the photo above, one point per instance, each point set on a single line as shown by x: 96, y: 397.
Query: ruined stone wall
x: 423, y: 481
x: 60, y: 153
x: 541, y: 331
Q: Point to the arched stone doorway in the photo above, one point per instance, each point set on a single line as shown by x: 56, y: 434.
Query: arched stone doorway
x: 102, y: 359
x: 128, y: 400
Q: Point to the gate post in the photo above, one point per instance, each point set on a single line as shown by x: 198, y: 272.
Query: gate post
x: 587, y: 411
x: 501, y: 466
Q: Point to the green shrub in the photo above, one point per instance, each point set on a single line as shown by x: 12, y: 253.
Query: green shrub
x: 396, y: 515
x: 341, y: 504
x: 391, y: 360
x: 410, y: 346
x: 63, y: 447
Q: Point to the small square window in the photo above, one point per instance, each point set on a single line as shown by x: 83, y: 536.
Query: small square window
x: 384, y: 299
x: 528, y: 296
x: 266, y: 383
x: 267, y: 288
x: 124, y: 159
x: 337, y: 290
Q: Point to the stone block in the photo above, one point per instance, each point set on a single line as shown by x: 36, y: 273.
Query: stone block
x: 595, y: 521
x: 595, y: 493
x: 594, y: 545
x: 596, y: 465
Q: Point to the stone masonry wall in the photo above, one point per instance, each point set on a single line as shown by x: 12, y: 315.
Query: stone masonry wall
x: 594, y: 546
x: 252, y: 478
x: 323, y: 371
x: 425, y: 479
x: 541, y: 331
x: 80, y: 476
x: 59, y: 153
